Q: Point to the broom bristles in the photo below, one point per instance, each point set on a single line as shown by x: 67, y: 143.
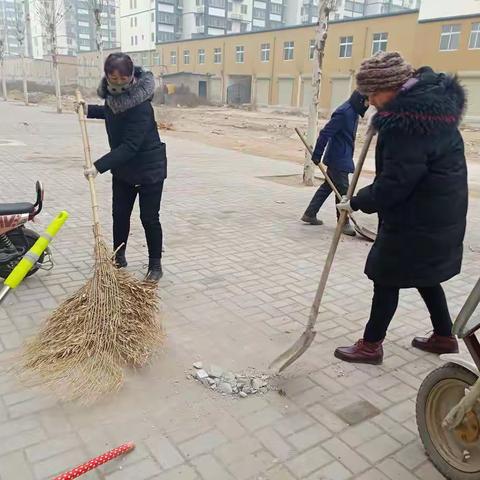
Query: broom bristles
x: 108, y: 324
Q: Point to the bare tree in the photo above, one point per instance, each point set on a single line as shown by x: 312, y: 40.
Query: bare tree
x: 324, y: 9
x: 51, y: 14
x: 97, y: 7
x: 20, y: 28
x: 2, y: 68
x: 3, y: 53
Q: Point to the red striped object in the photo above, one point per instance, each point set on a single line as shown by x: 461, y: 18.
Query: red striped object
x: 96, y: 462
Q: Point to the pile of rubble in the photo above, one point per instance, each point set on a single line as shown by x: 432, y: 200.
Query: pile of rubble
x: 228, y: 383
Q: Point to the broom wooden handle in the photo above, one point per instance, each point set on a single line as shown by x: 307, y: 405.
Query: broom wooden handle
x: 88, y: 162
x: 338, y: 233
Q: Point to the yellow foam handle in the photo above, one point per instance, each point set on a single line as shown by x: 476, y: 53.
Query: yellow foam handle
x: 30, y: 258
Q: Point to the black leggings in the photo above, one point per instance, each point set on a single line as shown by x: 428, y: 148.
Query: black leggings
x: 384, y: 305
x: 124, y: 196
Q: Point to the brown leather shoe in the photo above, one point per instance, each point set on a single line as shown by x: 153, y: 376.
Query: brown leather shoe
x: 436, y: 344
x: 361, y: 352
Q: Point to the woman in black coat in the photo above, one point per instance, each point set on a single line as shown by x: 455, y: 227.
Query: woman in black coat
x: 137, y: 159
x: 420, y: 193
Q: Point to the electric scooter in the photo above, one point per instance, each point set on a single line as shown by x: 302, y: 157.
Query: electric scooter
x: 448, y: 402
x: 15, y: 239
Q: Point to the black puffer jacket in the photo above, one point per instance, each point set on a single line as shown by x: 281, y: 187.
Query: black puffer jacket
x: 420, y: 191
x: 137, y: 155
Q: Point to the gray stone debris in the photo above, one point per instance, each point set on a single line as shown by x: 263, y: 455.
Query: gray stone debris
x: 201, y: 374
x: 226, y: 383
x: 215, y: 372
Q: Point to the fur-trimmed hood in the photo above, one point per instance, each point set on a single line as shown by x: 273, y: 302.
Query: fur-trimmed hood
x: 142, y: 90
x: 429, y: 104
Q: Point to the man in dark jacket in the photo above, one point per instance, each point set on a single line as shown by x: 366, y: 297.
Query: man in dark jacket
x: 420, y: 193
x: 339, y: 133
x: 137, y: 159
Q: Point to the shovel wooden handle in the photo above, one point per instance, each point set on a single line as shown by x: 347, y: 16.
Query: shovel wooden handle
x: 320, y: 165
x: 88, y: 162
x: 338, y: 233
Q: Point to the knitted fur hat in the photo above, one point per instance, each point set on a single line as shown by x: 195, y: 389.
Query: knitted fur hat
x: 383, y: 71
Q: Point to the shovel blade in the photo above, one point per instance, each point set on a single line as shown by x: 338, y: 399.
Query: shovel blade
x: 295, y: 351
x: 365, y: 232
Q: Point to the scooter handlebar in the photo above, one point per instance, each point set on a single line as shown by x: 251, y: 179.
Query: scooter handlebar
x: 31, y: 257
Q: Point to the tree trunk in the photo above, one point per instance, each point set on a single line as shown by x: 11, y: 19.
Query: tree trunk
x: 56, y: 74
x: 324, y: 9
x: 4, y: 81
x: 25, y: 84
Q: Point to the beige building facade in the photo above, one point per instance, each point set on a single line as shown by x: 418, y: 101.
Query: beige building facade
x: 275, y: 67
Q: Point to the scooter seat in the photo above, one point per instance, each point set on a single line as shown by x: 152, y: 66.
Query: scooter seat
x: 16, y: 208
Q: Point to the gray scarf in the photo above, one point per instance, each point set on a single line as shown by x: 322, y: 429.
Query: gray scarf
x: 142, y: 89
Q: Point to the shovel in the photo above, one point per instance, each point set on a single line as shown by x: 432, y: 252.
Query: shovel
x: 306, y: 339
x: 362, y: 231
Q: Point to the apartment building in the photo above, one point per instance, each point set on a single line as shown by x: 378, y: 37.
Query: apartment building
x: 15, y: 27
x: 138, y: 27
x: 275, y: 67
x: 84, y: 27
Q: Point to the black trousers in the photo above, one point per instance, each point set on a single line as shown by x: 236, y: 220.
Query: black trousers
x: 339, y: 179
x: 150, y: 196
x: 384, y: 305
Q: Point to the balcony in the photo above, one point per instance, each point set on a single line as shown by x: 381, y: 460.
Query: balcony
x: 236, y: 16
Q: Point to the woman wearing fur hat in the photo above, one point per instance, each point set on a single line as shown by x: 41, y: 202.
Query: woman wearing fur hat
x: 137, y: 159
x: 420, y: 193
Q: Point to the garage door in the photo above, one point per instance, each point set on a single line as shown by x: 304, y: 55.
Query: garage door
x: 285, y: 91
x: 472, y: 85
x: 340, y: 92
x: 215, y: 90
x: 307, y: 93
x: 263, y: 88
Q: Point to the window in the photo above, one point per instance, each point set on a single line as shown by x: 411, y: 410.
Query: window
x: 230, y: 6
x: 379, y: 44
x: 243, y: 27
x: 217, y: 55
x: 244, y: 9
x: 156, y: 58
x: 186, y: 57
x: 276, y: 8
x: 259, y: 13
x: 152, y: 17
x: 218, y: 22
x: 217, y: 3
x: 152, y: 37
x: 240, y: 54
x: 450, y: 37
x: 199, y: 20
x: 346, y: 45
x: 144, y: 60
x: 201, y: 56
x: 474, y: 36
x: 311, y: 50
x: 288, y: 50
x: 265, y: 52
x: 173, y: 58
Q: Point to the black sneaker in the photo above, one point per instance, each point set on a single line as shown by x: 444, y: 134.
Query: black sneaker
x: 120, y: 260
x: 311, y: 220
x: 155, y: 272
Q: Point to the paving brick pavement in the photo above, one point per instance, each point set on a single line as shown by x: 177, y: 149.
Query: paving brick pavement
x: 240, y: 274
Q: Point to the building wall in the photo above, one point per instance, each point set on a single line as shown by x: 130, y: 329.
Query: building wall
x: 41, y: 71
x: 138, y: 28
x: 418, y: 42
x: 435, y: 9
